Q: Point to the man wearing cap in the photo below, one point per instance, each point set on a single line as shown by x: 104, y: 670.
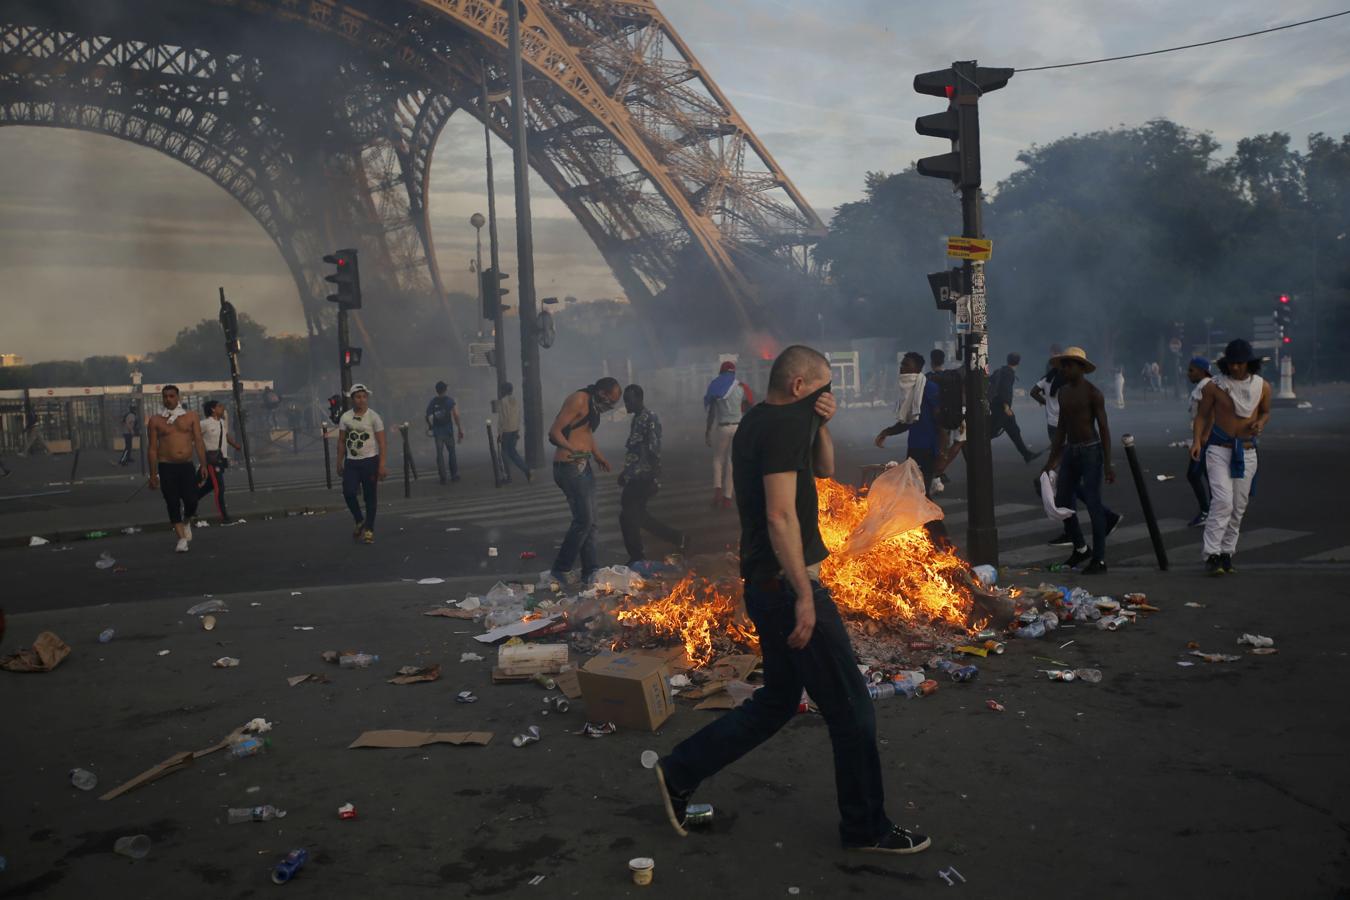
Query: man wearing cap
x: 1234, y: 408
x: 1081, y: 451
x: 726, y: 400
x: 361, y: 460
x: 1196, y: 476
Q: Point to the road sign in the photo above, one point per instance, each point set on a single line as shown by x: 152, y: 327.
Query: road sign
x: 969, y: 248
x: 478, y: 355
x: 1174, y: 345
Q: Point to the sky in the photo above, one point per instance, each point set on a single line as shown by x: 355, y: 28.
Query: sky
x: 111, y: 248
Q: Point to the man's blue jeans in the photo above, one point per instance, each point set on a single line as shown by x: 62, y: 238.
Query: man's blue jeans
x: 1080, y: 476
x: 826, y: 668
x: 445, y: 450
x: 578, y: 485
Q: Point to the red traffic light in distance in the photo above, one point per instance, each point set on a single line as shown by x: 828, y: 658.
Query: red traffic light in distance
x: 1284, y: 298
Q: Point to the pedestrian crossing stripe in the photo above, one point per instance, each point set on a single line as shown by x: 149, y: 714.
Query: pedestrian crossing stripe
x: 1041, y: 552
x: 1247, y: 541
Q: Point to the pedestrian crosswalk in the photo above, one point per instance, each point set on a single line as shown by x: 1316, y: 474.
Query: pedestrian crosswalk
x: 538, y: 511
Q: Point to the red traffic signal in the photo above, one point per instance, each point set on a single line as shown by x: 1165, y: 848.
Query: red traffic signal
x: 347, y: 277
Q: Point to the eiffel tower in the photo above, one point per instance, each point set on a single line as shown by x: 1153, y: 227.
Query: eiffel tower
x: 320, y: 117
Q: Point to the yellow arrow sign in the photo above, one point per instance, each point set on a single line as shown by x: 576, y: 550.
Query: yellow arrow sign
x: 969, y: 248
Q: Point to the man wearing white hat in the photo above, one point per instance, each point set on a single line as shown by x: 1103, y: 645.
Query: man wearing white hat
x: 1082, y: 454
x: 362, y: 452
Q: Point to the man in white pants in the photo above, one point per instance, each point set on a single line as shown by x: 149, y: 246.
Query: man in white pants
x: 726, y: 400
x: 1234, y: 409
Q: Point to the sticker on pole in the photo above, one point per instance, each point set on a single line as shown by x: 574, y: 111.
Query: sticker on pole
x: 969, y: 248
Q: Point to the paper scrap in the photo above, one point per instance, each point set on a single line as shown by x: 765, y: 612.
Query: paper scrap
x: 1256, y: 640
x: 46, y: 654
x: 398, y: 739
x: 302, y: 679
x: 448, y: 613
x: 470, y: 657
x: 416, y: 674
x: 170, y: 765
x: 431, y: 581
x: 1215, y: 657
x: 515, y: 629
x: 36, y: 541
x: 1263, y: 651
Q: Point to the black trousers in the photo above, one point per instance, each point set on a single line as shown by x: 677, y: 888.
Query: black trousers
x: 1000, y: 422
x: 215, y: 484
x: 634, y: 517
x: 178, y: 484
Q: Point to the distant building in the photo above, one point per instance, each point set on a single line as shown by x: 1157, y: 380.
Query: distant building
x: 10, y: 359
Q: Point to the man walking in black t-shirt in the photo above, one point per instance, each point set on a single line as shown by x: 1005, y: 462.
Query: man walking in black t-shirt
x: 781, y: 447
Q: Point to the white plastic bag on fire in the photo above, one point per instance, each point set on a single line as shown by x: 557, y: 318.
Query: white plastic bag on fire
x: 895, y: 504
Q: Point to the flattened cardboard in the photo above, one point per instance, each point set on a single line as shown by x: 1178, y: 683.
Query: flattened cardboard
x: 517, y: 629
x: 416, y: 674
x: 397, y: 739
x: 569, y: 685
x: 629, y: 689
x: 736, y: 667
x: 45, y: 654
x: 310, y: 678
x: 170, y: 765
x: 450, y: 613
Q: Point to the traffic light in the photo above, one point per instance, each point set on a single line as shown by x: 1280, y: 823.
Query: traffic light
x: 229, y: 322
x: 351, y: 356
x: 947, y: 286
x: 491, y: 282
x: 347, y: 277
x: 1284, y: 318
x: 963, y: 85
x: 335, y: 408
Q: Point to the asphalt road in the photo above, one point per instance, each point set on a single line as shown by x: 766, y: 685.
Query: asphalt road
x: 1163, y: 780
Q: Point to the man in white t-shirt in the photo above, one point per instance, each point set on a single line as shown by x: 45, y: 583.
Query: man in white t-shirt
x: 362, y: 452
x: 1046, y: 393
x: 216, y: 438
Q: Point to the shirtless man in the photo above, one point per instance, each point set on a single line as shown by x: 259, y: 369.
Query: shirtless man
x: 1082, y: 425
x: 175, y: 437
x: 1234, y: 409
x: 573, y: 433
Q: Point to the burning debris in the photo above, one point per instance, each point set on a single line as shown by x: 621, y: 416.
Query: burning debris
x: 897, y: 580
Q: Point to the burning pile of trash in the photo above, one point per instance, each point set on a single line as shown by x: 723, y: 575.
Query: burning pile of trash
x: 888, y: 577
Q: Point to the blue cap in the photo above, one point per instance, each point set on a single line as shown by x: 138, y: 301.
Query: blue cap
x: 1200, y: 363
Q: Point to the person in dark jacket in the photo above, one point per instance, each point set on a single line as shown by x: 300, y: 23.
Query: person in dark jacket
x: 1001, y: 418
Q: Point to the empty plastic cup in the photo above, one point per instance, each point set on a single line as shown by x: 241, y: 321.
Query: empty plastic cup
x: 136, y: 846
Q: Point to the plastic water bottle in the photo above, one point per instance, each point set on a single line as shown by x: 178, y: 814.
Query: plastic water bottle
x: 106, y: 635
x: 83, y: 779
x: 911, y: 679
x: 247, y: 746
x: 1034, y: 630
x: 254, y: 814
x: 358, y: 660
x: 1091, y: 676
x: 881, y: 691
x: 288, y: 867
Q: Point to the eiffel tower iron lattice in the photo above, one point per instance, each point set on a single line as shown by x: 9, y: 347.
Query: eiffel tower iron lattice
x: 321, y: 117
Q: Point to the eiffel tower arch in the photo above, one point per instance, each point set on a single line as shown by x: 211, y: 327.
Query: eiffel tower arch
x: 320, y: 117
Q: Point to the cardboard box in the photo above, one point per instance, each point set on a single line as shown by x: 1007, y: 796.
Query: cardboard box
x: 629, y: 689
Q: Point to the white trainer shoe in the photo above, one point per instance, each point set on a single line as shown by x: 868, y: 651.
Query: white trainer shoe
x: 181, y: 546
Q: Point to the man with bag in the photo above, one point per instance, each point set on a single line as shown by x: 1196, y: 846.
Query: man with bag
x: 216, y: 437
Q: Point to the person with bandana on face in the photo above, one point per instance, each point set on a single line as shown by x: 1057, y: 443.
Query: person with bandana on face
x: 1234, y: 408
x: 573, y: 433
x: 781, y: 447
x: 640, y: 479
x: 922, y: 424
x: 175, y: 438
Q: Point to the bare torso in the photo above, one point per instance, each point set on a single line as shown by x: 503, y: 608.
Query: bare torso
x: 1077, y: 404
x: 1226, y: 417
x: 174, y: 442
x: 580, y: 437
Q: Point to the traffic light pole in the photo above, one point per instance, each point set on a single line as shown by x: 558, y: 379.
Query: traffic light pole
x: 533, y: 405
x: 344, y: 341
x: 981, y: 530
x: 498, y: 328
x: 232, y: 348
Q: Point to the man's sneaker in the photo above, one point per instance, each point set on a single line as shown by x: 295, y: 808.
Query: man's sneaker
x: 1214, y: 564
x: 675, y: 804
x: 181, y: 546
x: 1062, y: 541
x: 367, y: 536
x: 1079, y: 556
x: 1226, y: 560
x: 1115, y: 520
x: 899, y: 841
x: 936, y: 486
x: 1096, y: 567
x: 359, y: 532
x: 1200, y: 519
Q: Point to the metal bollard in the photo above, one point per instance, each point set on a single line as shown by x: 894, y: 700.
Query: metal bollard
x: 1144, y: 503
x: 498, y: 464
x: 327, y: 459
x: 407, y: 461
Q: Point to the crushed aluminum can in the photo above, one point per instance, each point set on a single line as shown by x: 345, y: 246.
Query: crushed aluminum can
x: 1060, y: 674
x: 926, y: 688
x: 346, y: 811
x: 922, y: 645
x: 1135, y: 597
x: 528, y: 554
x: 994, y: 705
x: 529, y: 737
x: 225, y: 662
x: 1111, y: 623
x: 987, y: 634
x: 466, y: 697
x: 557, y: 704
x: 698, y: 815
x: 994, y: 647
x: 544, y: 681
x: 597, y: 729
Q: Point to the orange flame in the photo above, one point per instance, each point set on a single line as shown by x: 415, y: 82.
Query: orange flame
x: 904, y: 580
